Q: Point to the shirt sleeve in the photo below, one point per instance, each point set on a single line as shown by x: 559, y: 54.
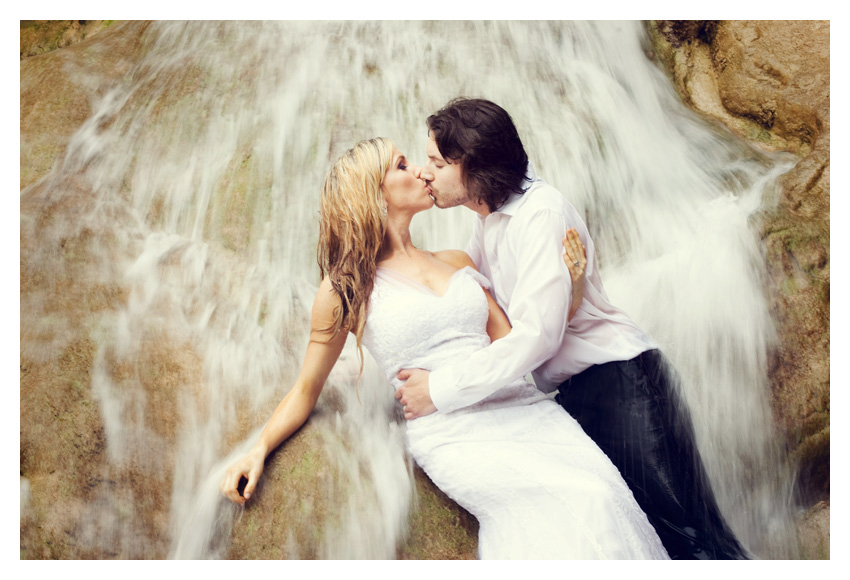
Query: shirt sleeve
x: 538, y: 313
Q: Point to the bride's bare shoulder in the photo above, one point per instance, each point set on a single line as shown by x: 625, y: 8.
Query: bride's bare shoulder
x: 456, y: 258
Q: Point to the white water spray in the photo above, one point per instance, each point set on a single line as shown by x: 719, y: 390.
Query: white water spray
x: 207, y: 161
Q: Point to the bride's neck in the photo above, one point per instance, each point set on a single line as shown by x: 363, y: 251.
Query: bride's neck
x: 397, y: 240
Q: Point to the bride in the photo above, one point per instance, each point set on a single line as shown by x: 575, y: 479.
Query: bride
x: 539, y: 487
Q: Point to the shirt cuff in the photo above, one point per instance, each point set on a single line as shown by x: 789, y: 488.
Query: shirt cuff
x: 442, y: 386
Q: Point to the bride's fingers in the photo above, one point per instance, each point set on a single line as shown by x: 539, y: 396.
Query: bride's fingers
x: 574, y: 249
x: 568, y: 251
x: 571, y: 256
x: 569, y: 242
x: 230, y: 485
x: 579, y: 247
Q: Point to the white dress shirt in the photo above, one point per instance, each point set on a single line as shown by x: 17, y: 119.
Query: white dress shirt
x: 518, y: 248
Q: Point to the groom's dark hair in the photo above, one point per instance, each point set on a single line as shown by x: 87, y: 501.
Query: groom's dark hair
x: 481, y: 136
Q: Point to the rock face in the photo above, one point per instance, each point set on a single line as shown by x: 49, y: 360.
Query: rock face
x: 63, y: 458
x: 295, y: 501
x: 55, y: 94
x: 768, y: 81
x: 76, y: 501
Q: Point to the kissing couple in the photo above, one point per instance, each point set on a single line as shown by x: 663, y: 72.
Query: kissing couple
x: 607, y: 468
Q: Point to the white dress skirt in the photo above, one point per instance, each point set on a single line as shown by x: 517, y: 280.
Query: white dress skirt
x: 538, y: 485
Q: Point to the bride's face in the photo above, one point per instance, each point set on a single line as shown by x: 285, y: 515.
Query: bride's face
x: 403, y: 187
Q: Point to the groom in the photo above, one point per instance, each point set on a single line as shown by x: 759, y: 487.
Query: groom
x: 609, y: 374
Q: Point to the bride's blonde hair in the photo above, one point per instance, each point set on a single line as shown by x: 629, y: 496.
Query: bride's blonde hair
x: 353, y: 222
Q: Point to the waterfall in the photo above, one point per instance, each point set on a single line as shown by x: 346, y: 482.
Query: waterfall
x: 199, y: 173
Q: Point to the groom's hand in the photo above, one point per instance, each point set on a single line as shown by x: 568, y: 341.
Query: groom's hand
x: 413, y: 394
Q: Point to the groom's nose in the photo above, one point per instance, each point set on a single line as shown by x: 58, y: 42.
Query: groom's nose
x: 420, y: 173
x: 426, y: 175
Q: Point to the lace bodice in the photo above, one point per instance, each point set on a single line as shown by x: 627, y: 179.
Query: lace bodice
x: 411, y: 326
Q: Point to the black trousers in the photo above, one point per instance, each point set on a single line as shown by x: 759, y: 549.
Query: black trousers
x: 633, y: 411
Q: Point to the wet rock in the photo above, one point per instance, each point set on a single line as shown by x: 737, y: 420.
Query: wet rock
x: 295, y: 512
x: 76, y: 501
x: 42, y: 36
x: 813, y: 531
x: 58, y: 87
x: 439, y: 528
x: 768, y: 81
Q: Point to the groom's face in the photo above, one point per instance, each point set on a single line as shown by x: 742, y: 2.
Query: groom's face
x: 445, y: 179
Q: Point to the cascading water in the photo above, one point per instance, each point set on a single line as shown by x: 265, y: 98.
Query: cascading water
x: 205, y: 164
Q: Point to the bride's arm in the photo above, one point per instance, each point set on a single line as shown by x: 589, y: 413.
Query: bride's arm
x: 323, y: 351
x: 497, y: 324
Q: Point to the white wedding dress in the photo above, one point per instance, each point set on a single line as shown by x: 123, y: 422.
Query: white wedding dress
x: 539, y: 487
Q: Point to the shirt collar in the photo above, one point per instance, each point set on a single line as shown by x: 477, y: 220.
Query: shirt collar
x: 516, y: 200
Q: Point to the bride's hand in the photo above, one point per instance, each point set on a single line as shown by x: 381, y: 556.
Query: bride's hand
x: 575, y: 257
x: 251, y: 468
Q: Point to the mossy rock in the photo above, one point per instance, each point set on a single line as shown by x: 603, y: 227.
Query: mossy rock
x: 439, y: 528
x: 297, y: 508
x: 43, y: 36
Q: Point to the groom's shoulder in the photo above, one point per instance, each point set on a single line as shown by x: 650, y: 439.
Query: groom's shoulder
x: 542, y: 196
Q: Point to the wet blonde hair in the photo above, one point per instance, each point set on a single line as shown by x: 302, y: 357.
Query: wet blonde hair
x: 353, y: 222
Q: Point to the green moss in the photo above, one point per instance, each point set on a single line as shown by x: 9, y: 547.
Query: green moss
x: 789, y: 286
x: 820, y: 551
x: 813, y: 533
x: 439, y: 528
x: 306, y: 466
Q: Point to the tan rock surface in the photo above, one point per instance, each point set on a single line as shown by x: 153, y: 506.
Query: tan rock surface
x: 768, y: 81
x: 73, y: 498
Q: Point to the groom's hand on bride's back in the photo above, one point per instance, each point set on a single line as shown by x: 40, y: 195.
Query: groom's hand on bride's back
x: 414, y: 395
